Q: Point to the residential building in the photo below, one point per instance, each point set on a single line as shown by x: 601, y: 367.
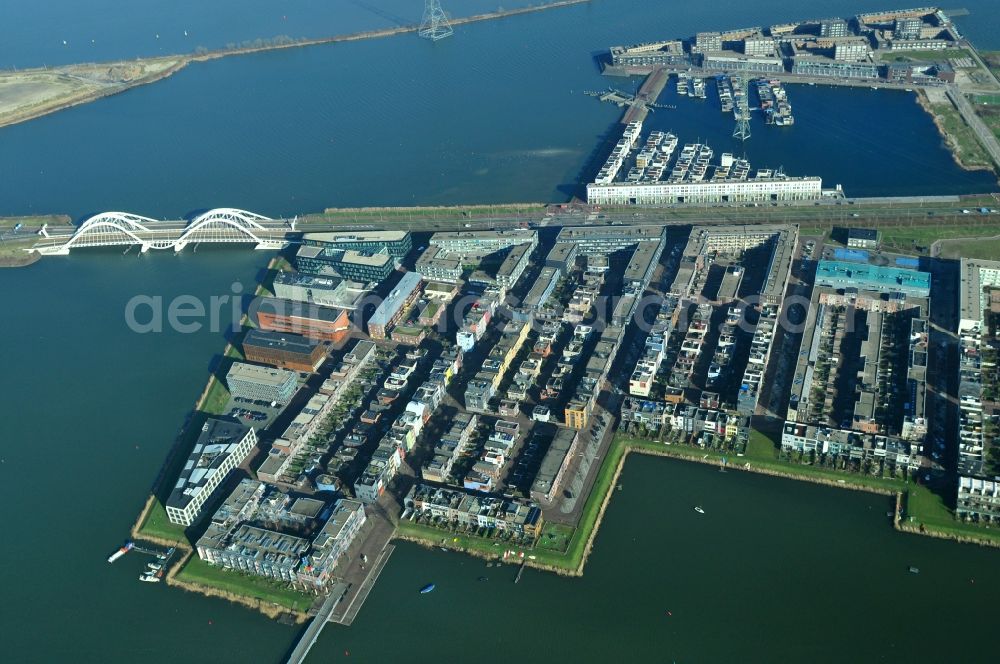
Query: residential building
x: 464, y: 509
x: 246, y: 535
x: 394, y: 306
x: 816, y: 65
x: 480, y: 390
x: 862, y: 238
x: 978, y: 499
x: 834, y: 27
x: 707, y: 191
x: 850, y: 444
x: 257, y: 383
x: 449, y: 448
x: 554, y: 465
x: 735, y: 62
x: 562, y: 257
x: 539, y: 294
x: 759, y: 46
x: 434, y: 263
x: 310, y: 320
x: 650, y: 54
x: 325, y: 291
x: 396, y: 243
x: 907, y: 28
x: 442, y: 291
x: 708, y: 41
x: 481, y: 243
x: 280, y: 349
x: 349, y: 264
x: 863, y: 276
x: 514, y: 263
x: 578, y: 409
x: 851, y: 49
x: 591, y: 240
x: 222, y: 445
x: 409, y: 335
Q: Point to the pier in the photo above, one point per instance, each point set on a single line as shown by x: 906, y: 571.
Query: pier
x: 647, y: 96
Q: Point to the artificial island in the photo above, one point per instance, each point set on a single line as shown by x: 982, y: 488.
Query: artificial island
x: 475, y: 381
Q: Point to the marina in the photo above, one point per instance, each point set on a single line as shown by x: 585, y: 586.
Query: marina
x: 774, y: 102
x: 240, y: 633
x: 725, y: 88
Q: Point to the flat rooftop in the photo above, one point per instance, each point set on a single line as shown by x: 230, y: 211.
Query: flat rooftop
x: 394, y: 300
x: 285, y: 341
x: 977, y: 275
x: 260, y: 375
x: 348, y: 256
x: 507, y: 235
x: 300, y: 279
x: 553, y: 460
x: 356, y: 236
x: 218, y: 440
x: 561, y: 251
x: 513, y: 257
x: 297, y: 309
x: 575, y: 234
x: 639, y: 264
x: 886, y: 279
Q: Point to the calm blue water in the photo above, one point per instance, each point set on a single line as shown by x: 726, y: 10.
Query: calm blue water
x: 495, y: 114
x: 787, y: 572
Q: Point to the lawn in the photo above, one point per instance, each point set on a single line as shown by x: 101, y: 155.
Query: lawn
x: 906, y: 237
x: 926, y: 508
x: 761, y: 447
x: 216, y: 397
x: 575, y: 546
x: 760, y: 458
x: 267, y: 591
x: 403, y: 213
x: 158, y: 525
x: 960, y: 137
x: 50, y: 219
x: 927, y: 56
x: 979, y: 248
x: 556, y: 537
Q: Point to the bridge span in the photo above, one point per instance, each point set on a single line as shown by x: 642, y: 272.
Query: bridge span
x: 221, y: 225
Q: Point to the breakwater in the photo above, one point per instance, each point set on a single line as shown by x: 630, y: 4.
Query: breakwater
x: 34, y: 110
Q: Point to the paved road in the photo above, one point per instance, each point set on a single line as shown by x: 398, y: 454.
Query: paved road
x: 986, y: 137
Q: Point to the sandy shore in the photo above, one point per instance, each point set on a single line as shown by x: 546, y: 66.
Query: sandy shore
x: 32, y: 93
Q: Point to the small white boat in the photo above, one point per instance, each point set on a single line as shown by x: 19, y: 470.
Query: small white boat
x: 699, y: 510
x: 149, y: 578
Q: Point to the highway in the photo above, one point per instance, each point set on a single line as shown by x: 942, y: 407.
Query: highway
x: 883, y: 212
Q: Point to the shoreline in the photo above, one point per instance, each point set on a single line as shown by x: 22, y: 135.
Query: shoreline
x: 29, y: 258
x: 185, y: 59
x: 949, y: 140
x: 898, y: 523
x: 269, y: 610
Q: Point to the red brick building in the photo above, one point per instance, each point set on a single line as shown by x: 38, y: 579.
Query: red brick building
x: 310, y: 320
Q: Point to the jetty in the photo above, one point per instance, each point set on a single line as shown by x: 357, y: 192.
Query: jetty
x: 647, y: 96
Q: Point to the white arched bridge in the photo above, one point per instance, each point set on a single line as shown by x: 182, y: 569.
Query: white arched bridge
x: 222, y: 225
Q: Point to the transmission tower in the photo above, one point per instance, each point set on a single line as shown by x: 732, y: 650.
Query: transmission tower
x: 434, y: 25
x: 742, y: 130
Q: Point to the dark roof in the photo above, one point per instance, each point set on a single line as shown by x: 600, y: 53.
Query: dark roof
x: 216, y: 442
x: 296, y: 309
x: 292, y: 343
x: 863, y: 234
